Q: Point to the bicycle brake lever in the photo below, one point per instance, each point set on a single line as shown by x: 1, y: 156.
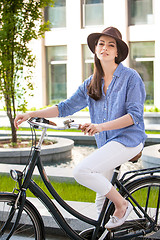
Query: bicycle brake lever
x: 68, y: 122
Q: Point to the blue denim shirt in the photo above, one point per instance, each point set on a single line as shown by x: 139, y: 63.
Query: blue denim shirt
x: 125, y: 94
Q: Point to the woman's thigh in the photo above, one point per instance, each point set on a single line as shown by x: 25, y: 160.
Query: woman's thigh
x: 105, y: 159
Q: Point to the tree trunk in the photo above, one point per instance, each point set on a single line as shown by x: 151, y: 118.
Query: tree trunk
x: 13, y: 129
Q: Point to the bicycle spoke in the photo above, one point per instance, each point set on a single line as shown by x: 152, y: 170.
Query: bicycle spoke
x: 29, y: 225
x: 147, y: 218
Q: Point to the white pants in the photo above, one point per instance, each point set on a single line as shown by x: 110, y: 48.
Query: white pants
x: 96, y: 170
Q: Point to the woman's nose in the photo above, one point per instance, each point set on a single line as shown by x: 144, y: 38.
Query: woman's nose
x: 104, y: 47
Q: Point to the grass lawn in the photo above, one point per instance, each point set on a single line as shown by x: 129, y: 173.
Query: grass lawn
x: 68, y: 191
x: 141, y: 197
x: 75, y: 192
x: 51, y: 130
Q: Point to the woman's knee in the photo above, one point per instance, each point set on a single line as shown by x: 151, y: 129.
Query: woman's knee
x: 79, y: 173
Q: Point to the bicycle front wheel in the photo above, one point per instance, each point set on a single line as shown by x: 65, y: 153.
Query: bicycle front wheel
x: 29, y: 225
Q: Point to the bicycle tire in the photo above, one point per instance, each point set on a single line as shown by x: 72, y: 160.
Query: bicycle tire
x: 30, y: 225
x: 87, y: 234
x: 139, y: 189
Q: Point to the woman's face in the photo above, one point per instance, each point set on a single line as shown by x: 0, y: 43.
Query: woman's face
x: 106, y: 49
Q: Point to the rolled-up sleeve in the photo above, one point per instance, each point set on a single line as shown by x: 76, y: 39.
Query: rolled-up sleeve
x: 75, y: 103
x: 135, y: 99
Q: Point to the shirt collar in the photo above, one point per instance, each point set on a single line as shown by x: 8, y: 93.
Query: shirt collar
x: 118, y: 70
x: 116, y: 73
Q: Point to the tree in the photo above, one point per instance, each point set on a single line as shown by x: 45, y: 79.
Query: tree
x: 20, y: 22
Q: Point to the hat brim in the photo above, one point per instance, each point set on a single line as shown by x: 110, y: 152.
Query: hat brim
x: 93, y: 38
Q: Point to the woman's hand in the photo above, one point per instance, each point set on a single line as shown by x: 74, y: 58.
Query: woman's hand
x: 20, y: 118
x: 91, y: 128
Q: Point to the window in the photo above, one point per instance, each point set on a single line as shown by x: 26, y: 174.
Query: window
x: 140, y: 12
x: 92, y: 12
x: 57, y: 14
x: 142, y: 59
x: 56, y: 72
x: 87, y: 62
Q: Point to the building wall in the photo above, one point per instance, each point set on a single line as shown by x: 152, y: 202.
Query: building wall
x: 73, y: 36
x: 149, y: 33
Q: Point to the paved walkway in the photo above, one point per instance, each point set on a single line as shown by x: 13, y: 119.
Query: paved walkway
x: 64, y: 174
x: 61, y: 174
x: 87, y: 209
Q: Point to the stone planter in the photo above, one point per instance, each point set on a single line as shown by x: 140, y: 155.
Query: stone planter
x: 151, y: 118
x: 49, y: 154
x: 151, y: 156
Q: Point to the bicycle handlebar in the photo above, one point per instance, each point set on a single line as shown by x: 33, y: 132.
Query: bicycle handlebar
x: 45, y: 123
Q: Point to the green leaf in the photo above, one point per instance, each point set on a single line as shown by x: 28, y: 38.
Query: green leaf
x: 20, y: 22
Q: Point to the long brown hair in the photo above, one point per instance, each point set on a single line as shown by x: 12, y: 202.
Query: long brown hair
x: 95, y: 86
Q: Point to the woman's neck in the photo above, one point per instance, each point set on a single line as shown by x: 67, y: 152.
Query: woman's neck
x: 108, y: 75
x: 109, y: 70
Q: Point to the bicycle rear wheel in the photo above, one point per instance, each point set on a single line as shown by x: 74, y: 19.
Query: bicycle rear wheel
x: 29, y: 225
x: 146, y: 191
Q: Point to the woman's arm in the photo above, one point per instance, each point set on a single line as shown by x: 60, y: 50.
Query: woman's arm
x: 45, y: 113
x: 122, y: 122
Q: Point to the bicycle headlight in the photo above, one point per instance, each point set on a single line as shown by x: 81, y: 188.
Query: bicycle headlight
x: 16, y: 175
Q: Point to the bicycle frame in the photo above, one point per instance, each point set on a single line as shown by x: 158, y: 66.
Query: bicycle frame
x: 39, y: 193
x: 28, y: 183
x: 123, y: 184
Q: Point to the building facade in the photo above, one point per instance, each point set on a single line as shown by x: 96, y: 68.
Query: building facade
x: 64, y: 60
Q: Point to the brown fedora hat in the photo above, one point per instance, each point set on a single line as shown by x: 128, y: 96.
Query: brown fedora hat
x: 111, y: 32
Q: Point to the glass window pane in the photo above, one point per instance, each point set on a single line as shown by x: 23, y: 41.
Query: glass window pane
x: 57, y: 53
x: 57, y: 14
x: 142, y: 49
x: 56, y: 72
x: 88, y: 59
x: 142, y: 60
x: 92, y: 8
x: 140, y: 12
x: 58, y: 82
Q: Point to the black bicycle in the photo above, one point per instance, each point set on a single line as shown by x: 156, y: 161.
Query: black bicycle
x: 19, y: 217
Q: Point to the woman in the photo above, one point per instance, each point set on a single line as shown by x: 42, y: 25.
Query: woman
x: 115, y: 96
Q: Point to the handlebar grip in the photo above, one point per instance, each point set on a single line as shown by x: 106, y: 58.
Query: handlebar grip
x: 44, y: 120
x: 52, y: 123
